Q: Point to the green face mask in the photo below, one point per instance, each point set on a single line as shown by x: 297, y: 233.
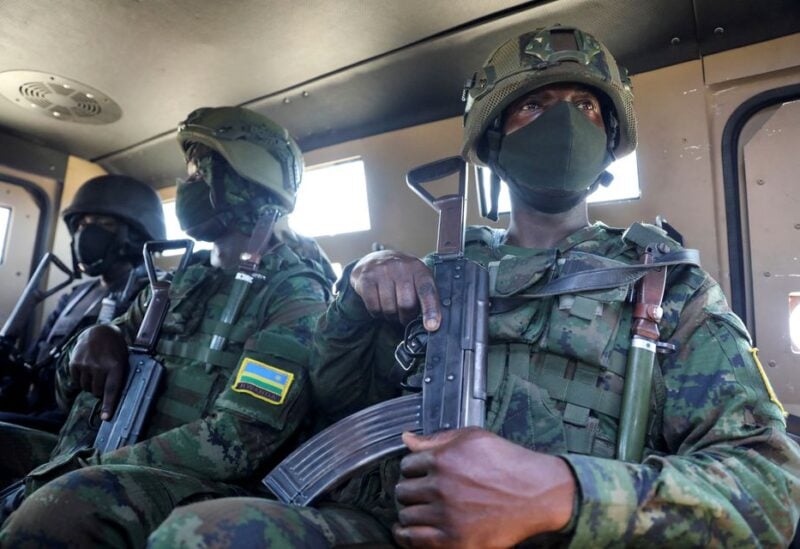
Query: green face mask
x: 215, y: 199
x: 553, y: 162
x: 195, y: 212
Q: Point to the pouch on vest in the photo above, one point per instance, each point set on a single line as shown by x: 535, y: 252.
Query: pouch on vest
x: 511, y: 276
x: 583, y: 326
x: 520, y: 410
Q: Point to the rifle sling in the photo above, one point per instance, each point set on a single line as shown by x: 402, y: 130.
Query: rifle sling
x: 596, y: 279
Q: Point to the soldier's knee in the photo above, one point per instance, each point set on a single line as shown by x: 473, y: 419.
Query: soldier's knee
x: 244, y: 522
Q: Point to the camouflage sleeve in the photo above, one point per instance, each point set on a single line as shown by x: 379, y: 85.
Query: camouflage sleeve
x: 730, y: 476
x: 263, y: 403
x: 351, y: 356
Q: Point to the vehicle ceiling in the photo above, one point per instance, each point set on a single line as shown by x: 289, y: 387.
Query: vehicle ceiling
x: 329, y: 70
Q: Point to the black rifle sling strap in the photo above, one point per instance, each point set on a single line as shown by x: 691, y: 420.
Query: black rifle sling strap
x: 598, y: 279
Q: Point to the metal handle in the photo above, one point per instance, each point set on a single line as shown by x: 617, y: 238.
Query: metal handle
x: 451, y: 207
x: 52, y: 258
x: 155, y: 246
x: 433, y: 172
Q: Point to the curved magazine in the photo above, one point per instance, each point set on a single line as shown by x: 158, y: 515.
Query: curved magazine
x: 345, y: 448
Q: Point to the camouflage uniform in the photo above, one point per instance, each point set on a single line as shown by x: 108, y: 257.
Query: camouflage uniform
x: 205, y: 438
x: 719, y: 469
x: 221, y: 417
x: 138, y: 210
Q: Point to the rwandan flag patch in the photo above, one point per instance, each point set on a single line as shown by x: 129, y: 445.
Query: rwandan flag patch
x: 262, y: 381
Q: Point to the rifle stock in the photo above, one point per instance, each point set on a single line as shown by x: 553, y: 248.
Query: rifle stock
x: 454, y: 377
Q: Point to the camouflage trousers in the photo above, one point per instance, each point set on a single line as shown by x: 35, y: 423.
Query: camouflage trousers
x: 254, y: 522
x: 106, y: 505
x: 23, y: 449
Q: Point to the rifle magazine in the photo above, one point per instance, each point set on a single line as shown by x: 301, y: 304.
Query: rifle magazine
x: 345, y: 448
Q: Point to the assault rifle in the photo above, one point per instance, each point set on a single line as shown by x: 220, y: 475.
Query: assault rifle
x: 16, y: 373
x: 452, y: 383
x: 144, y: 371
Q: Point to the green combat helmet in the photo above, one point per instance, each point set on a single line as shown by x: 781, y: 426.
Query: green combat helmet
x: 546, y: 56
x: 258, y: 149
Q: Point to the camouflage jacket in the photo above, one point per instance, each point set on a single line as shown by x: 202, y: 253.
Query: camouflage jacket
x: 719, y: 468
x: 215, y: 416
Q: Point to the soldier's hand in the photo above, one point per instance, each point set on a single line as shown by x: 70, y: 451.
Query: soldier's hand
x: 99, y: 363
x: 397, y: 286
x: 472, y: 488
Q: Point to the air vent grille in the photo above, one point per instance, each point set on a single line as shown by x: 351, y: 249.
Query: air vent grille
x: 58, y: 98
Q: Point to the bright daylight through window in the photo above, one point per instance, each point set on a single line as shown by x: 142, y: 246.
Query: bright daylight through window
x: 624, y: 187
x: 794, y: 321
x: 332, y: 200
x: 5, y: 218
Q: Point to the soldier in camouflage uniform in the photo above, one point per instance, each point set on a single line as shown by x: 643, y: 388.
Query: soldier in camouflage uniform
x: 221, y: 417
x: 110, y: 218
x: 548, y: 112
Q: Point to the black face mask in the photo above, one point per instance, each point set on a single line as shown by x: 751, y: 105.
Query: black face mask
x: 195, y: 211
x: 96, y: 249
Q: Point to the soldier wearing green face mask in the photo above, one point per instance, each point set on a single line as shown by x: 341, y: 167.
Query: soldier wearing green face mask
x: 548, y: 111
x: 223, y: 411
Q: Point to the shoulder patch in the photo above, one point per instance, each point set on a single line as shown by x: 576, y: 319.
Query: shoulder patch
x: 262, y: 381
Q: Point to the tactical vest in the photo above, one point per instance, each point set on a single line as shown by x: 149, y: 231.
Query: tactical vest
x: 81, y: 310
x: 194, y: 374
x: 557, y: 364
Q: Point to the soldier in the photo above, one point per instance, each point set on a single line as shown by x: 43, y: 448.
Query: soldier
x: 214, y: 427
x: 110, y: 219
x: 548, y: 112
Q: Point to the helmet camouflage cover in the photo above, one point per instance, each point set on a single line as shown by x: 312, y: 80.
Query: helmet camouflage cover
x: 546, y: 56
x: 256, y: 148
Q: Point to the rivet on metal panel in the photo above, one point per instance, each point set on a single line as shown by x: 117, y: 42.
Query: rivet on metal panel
x: 759, y: 181
x: 675, y: 41
x: 286, y: 100
x: 797, y: 226
x: 772, y: 363
x: 719, y: 31
x: 767, y: 274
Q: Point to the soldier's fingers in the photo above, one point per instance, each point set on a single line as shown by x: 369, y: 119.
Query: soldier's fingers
x: 369, y: 295
x: 417, y: 464
x: 416, y: 491
x: 86, y: 379
x: 111, y: 390
x: 420, y: 515
x: 388, y: 298
x: 407, y: 301
x: 75, y: 371
x: 419, y: 536
x: 428, y: 300
x: 98, y: 381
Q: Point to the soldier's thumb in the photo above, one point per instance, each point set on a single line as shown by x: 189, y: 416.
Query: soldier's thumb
x: 419, y: 443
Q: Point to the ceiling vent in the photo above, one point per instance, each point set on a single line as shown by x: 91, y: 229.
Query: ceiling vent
x: 58, y: 98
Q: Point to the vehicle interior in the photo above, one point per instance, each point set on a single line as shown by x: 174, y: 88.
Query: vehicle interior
x: 371, y: 89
